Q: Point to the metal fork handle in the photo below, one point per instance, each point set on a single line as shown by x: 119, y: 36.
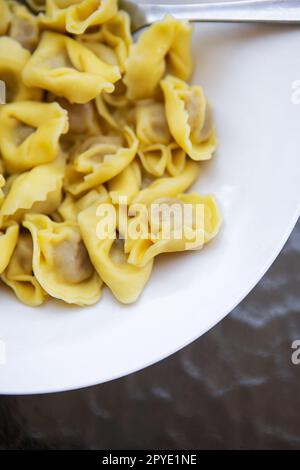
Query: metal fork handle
x: 266, y: 11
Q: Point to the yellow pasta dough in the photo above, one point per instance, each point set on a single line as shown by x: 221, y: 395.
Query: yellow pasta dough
x: 124, y: 280
x: 13, y: 58
x: 68, y: 69
x: 112, y: 40
x: 38, y: 190
x: 190, y: 221
x: 70, y: 207
x: 23, y: 26
x: 30, y: 132
x: 99, y: 159
x: 5, y: 17
x: 189, y: 118
x: 36, y: 5
x: 75, y: 16
x: 8, y: 240
x: 101, y: 137
x: 60, y: 261
x: 19, y: 274
x: 163, y: 46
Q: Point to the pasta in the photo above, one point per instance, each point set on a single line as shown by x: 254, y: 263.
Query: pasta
x: 13, y: 58
x: 60, y: 261
x: 5, y: 16
x: 164, y: 46
x: 38, y: 190
x: 101, y: 140
x: 19, y: 275
x: 125, y: 281
x: 189, y: 118
x: 23, y: 26
x: 68, y: 69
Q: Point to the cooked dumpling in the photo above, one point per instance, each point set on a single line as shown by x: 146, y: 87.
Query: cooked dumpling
x: 19, y: 274
x: 24, y: 26
x: 68, y: 69
x: 154, y: 158
x: 151, y: 123
x: 168, y: 186
x: 75, y: 16
x: 2, y: 184
x: 60, y: 261
x: 30, y: 133
x: 36, y: 5
x: 99, y: 159
x: 8, y: 240
x: 176, y: 160
x: 113, y: 36
x: 177, y: 224
x: 124, y: 186
x: 189, y: 118
x: 165, y: 187
x: 70, y: 208
x: 107, y: 255
x: 13, y: 58
x: 5, y: 17
x: 38, y: 190
x: 163, y: 47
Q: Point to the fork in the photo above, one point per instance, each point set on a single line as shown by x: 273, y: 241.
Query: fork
x: 144, y: 13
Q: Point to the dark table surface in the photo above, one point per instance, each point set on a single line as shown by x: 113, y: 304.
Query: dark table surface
x: 235, y: 387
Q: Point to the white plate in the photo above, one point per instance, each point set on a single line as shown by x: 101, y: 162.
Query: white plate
x: 247, y: 72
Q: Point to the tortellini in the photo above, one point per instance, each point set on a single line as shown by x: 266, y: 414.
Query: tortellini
x: 8, y: 240
x: 38, y: 190
x: 19, y: 274
x: 100, y: 140
x: 99, y: 159
x: 13, y: 58
x: 5, y: 16
x: 178, y: 224
x: 60, y: 261
x: 112, y: 41
x: 151, y: 123
x: 36, y: 5
x: 189, y: 118
x: 68, y: 69
x: 24, y: 26
x: 75, y: 16
x: 2, y: 184
x: 107, y: 254
x: 30, y: 133
x: 165, y: 46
